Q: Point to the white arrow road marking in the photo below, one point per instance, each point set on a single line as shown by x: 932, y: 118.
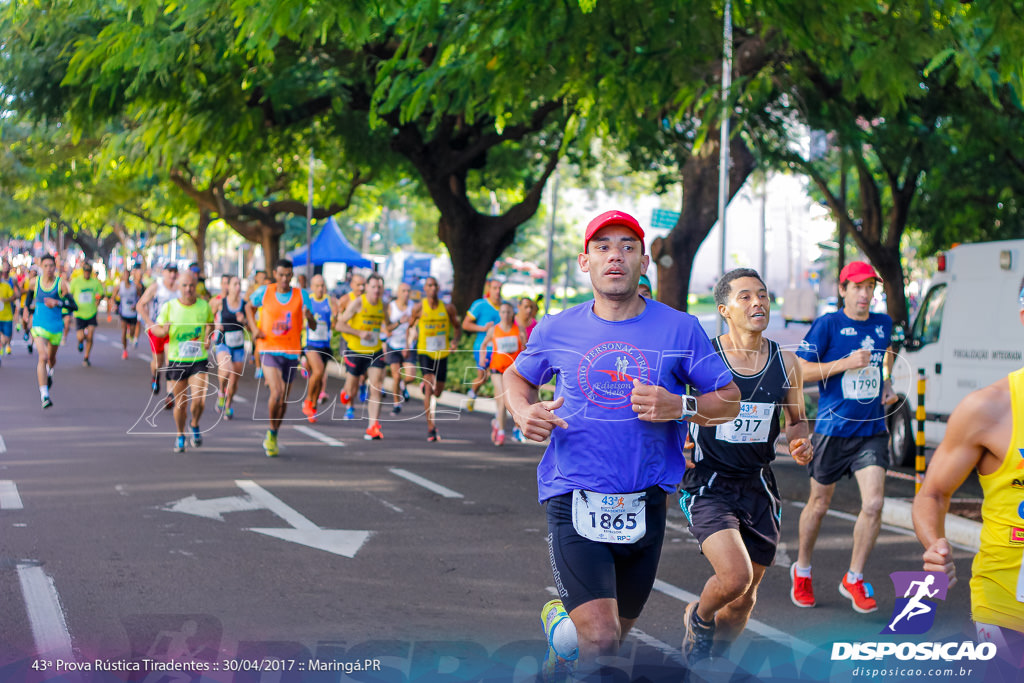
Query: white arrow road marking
x: 425, y: 483
x: 304, y: 532
x: 213, y: 508
x: 9, y: 498
x: 309, y: 431
x: 3, y: 446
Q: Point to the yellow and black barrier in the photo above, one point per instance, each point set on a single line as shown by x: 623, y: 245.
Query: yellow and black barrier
x: 919, y: 439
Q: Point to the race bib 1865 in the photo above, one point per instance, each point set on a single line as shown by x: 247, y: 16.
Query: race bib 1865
x: 609, y: 517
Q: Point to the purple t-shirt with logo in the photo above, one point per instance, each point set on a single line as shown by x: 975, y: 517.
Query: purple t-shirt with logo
x: 606, y: 447
x: 849, y: 403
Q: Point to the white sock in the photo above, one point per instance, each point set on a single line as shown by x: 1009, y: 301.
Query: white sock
x: 565, y: 640
x: 803, y: 572
x: 853, y: 577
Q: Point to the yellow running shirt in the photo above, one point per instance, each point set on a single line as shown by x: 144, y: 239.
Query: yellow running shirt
x: 433, y: 331
x: 369, y: 319
x: 997, y: 577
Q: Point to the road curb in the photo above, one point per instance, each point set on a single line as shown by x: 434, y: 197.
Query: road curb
x: 960, y: 531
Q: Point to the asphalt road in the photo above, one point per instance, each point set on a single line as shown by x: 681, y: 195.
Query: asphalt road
x: 428, y: 560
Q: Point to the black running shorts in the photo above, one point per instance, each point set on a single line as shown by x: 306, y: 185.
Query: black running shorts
x: 835, y: 456
x: 586, y: 570
x: 751, y: 505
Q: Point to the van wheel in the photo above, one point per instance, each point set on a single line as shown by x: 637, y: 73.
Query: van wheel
x: 902, y: 447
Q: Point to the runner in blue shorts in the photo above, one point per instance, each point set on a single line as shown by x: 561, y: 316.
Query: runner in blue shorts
x: 730, y: 496
x: 617, y: 427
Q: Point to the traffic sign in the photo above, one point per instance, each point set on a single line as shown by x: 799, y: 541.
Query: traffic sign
x: 664, y: 219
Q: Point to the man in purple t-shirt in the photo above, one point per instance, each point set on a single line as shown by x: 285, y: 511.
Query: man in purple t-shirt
x: 623, y: 364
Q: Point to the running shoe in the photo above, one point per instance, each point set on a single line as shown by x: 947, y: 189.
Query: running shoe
x: 7, y: 349
x: 432, y: 435
x: 49, y: 379
x: 124, y: 355
x: 494, y: 431
x: 470, y: 400
x: 168, y: 401
x: 81, y: 347
x: 405, y: 392
x: 323, y: 397
x: 304, y: 371
x: 698, y: 636
x: 517, y: 434
x: 154, y: 384
x: 343, y: 397
x: 860, y: 594
x: 179, y: 444
x: 396, y: 409
x: 350, y: 413
x: 86, y: 363
x: 802, y: 592
x: 499, y: 438
x: 362, y: 393
x: 230, y: 414
x: 554, y: 667
x: 259, y: 372
x: 270, y: 445
x: 220, y: 402
x: 47, y: 403
x: 196, y: 438
x: 110, y: 318
x: 374, y: 433
x: 307, y: 408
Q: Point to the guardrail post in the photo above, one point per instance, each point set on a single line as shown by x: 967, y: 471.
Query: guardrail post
x: 919, y: 440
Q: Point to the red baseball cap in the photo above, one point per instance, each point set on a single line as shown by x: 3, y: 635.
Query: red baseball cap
x: 613, y: 218
x: 857, y: 271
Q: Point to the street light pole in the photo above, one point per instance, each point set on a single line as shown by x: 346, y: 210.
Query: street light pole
x: 723, y: 160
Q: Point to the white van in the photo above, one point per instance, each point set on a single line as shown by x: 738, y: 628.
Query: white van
x: 967, y: 334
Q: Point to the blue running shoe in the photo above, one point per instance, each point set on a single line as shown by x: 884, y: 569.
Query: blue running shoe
x: 350, y: 414
x: 179, y: 444
x: 196, y: 437
x: 362, y: 394
x: 259, y: 372
x: 230, y: 414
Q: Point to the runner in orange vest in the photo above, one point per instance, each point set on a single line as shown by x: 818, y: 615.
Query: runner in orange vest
x: 508, y: 341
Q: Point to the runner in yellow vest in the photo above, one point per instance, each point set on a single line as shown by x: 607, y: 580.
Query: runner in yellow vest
x: 187, y: 322
x: 985, y: 432
x: 87, y: 291
x: 435, y: 327
x: 360, y: 326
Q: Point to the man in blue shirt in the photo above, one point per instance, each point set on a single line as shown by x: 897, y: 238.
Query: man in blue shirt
x: 848, y: 353
x: 623, y: 364
x: 483, y: 314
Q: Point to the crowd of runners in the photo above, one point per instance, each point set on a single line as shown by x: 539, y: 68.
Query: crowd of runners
x: 285, y: 328
x: 644, y: 405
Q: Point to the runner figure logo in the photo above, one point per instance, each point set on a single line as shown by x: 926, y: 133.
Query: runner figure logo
x: 914, y: 612
x: 606, y: 373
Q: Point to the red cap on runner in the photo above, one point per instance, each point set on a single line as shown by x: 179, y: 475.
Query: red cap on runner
x: 614, y: 218
x: 857, y: 271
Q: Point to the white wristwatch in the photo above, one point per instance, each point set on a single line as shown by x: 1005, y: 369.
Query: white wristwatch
x: 689, y: 406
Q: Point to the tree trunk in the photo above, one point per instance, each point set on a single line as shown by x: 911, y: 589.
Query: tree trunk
x: 675, y: 253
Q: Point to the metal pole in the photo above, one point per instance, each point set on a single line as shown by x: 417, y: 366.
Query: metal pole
x: 723, y: 161
x: 919, y: 464
x: 551, y: 248
x: 309, y: 225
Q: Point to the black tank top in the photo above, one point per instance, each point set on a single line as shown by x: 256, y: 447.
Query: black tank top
x: 747, y: 444
x: 229, y: 319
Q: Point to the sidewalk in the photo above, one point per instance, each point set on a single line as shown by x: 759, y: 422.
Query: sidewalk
x: 963, y: 533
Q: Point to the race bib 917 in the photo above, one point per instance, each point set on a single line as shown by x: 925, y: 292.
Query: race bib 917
x: 750, y: 426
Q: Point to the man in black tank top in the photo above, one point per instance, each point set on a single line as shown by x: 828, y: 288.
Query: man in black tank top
x: 729, y: 495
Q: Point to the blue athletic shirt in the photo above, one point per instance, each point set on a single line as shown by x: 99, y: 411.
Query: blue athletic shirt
x: 49, y: 319
x: 849, y: 403
x: 321, y: 338
x: 257, y: 301
x: 606, y: 448
x: 483, y: 312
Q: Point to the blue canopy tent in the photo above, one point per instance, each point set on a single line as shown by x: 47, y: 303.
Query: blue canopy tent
x: 330, y: 246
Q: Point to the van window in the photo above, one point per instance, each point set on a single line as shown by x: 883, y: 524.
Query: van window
x: 929, y: 319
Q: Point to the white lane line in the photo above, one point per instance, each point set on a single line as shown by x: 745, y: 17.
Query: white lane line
x: 239, y: 399
x: 3, y: 446
x: 425, y: 483
x: 309, y: 431
x: 754, y: 625
x: 146, y: 357
x: 9, y: 498
x: 49, y: 628
x: 101, y: 337
x: 116, y: 344
x: 266, y: 499
x: 384, y: 502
